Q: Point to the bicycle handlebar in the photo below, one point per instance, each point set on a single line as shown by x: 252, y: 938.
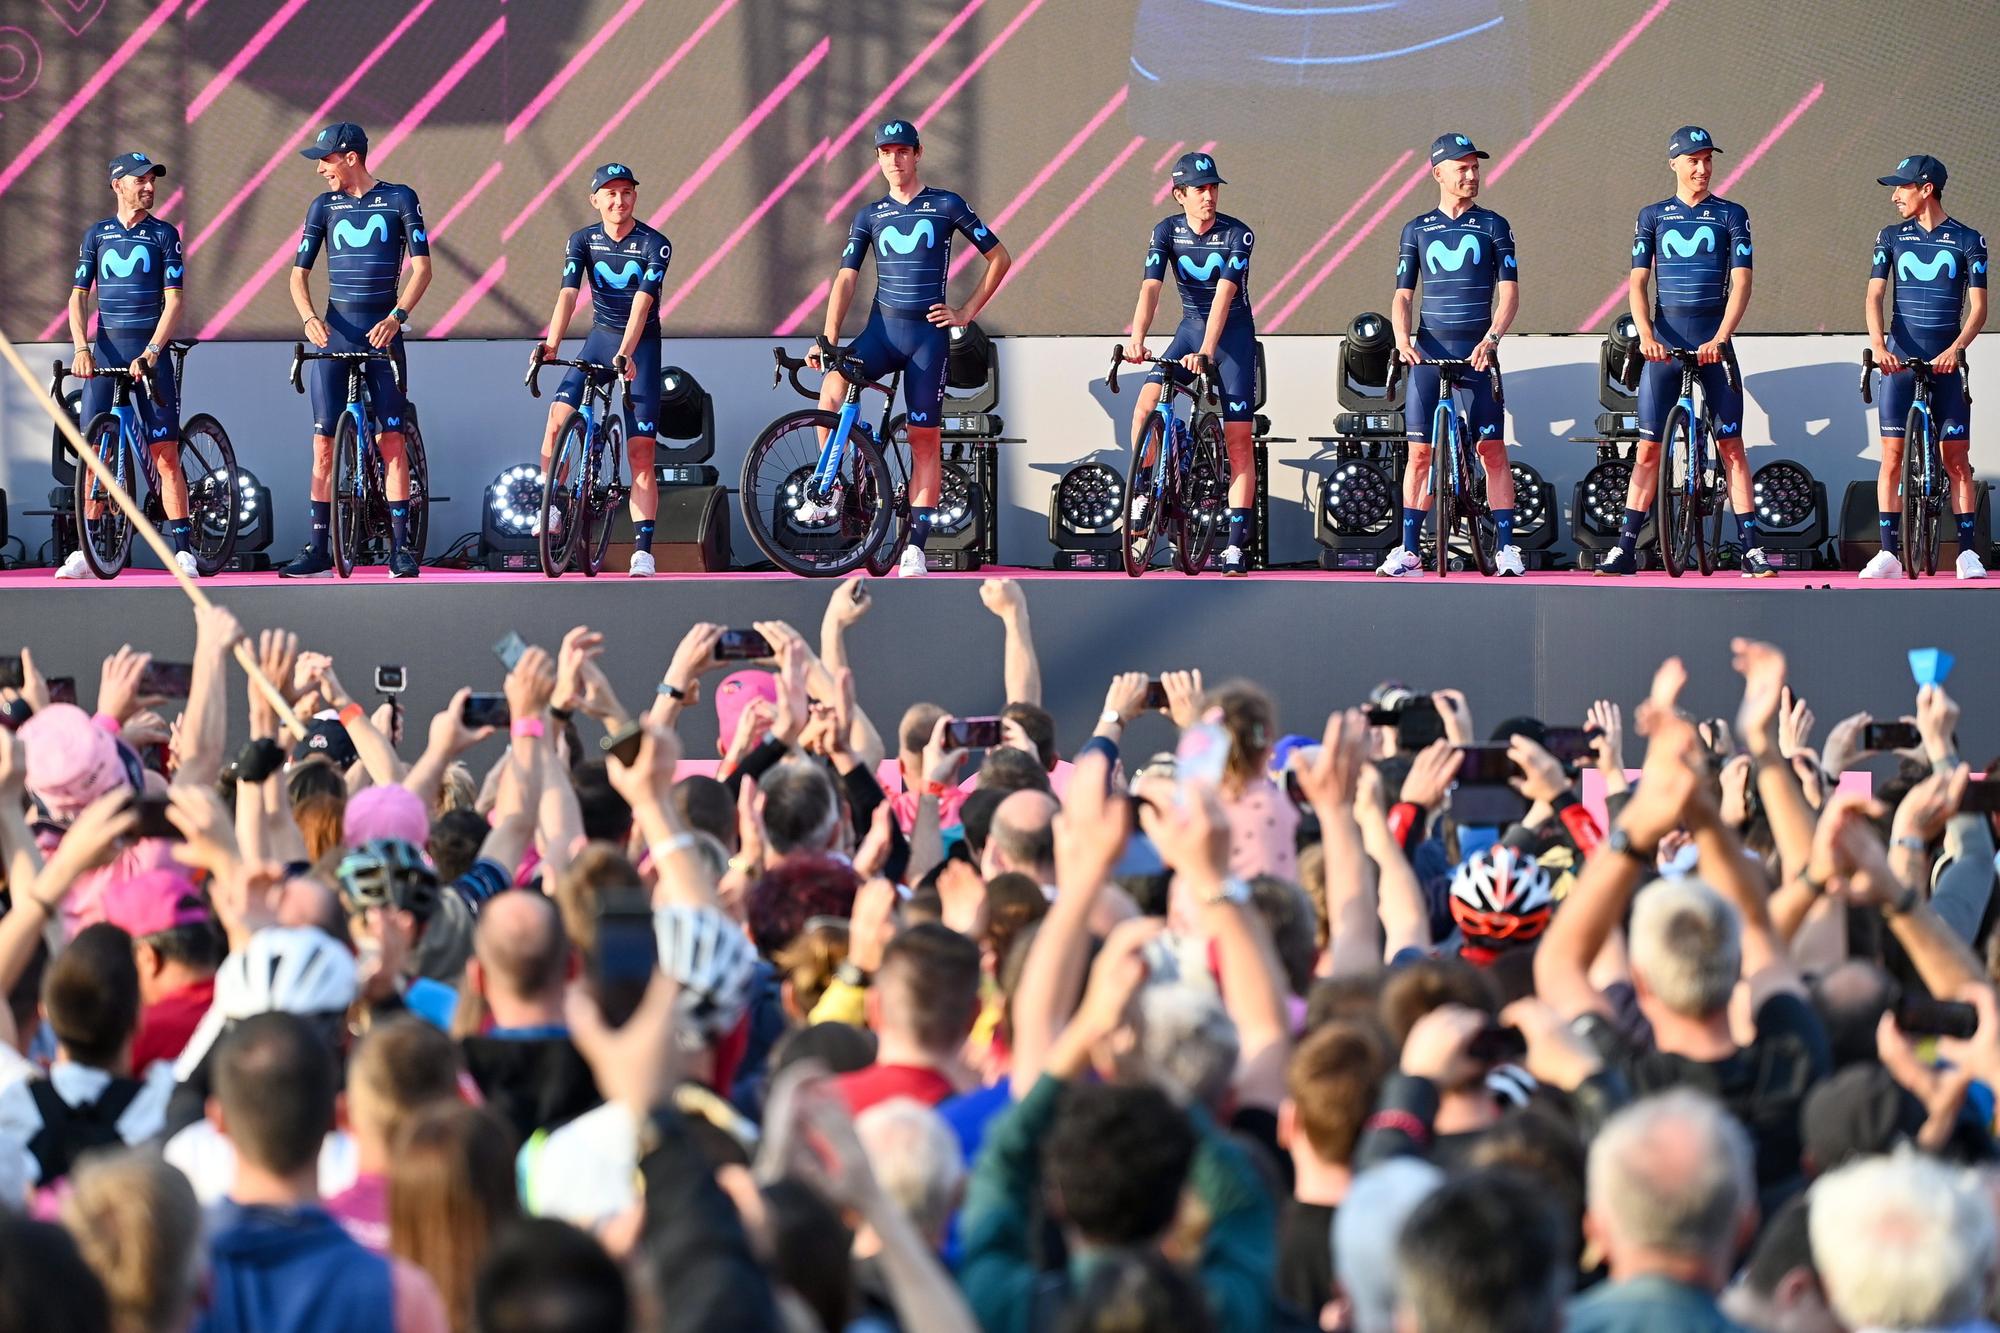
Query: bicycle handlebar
x: 1118, y: 358
x: 300, y: 356
x: 1397, y: 366
x: 834, y: 359
x: 595, y: 369
x: 63, y: 372
x: 1920, y: 366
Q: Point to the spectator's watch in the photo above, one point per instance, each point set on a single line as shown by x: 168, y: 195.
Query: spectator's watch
x: 672, y: 691
x: 847, y: 974
x: 1621, y: 842
x: 1111, y: 717
x: 1903, y: 902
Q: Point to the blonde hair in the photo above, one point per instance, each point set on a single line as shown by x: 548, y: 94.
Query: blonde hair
x: 139, y: 1227
x: 451, y: 1188
x: 459, y: 790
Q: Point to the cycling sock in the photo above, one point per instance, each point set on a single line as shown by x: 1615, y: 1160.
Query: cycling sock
x: 1503, y: 526
x: 322, y: 519
x: 642, y: 535
x: 1628, y: 531
x: 1239, y: 529
x: 920, y: 526
x: 1892, y: 537
x: 1746, y: 523
x: 399, y: 524
x: 178, y: 530
x: 1965, y: 523
x: 1413, y: 526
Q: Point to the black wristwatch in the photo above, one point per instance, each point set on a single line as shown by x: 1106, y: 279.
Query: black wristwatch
x: 1621, y: 842
x: 850, y: 975
x: 400, y: 315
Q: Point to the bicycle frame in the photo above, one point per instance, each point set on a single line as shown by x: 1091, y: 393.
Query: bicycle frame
x: 833, y: 450
x: 1447, y: 448
x: 1175, y: 433
x: 1698, y: 424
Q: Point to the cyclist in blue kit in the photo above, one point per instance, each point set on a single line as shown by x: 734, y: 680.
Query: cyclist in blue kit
x: 909, y: 232
x: 1209, y: 254
x: 1464, y: 255
x: 1698, y: 245
x: 1939, y: 307
x: 366, y: 226
x: 135, y: 261
x: 624, y: 261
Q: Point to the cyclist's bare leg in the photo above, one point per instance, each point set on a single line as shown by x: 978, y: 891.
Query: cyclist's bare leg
x: 1142, y: 412
x: 1736, y: 467
x: 1889, y: 482
x: 832, y: 390
x: 322, y: 473
x: 1417, y: 477
x: 173, y: 482
x: 924, y: 466
x: 1238, y: 439
x: 559, y: 413
x: 1499, y: 476
x: 645, y: 486
x: 395, y: 465
x: 1645, y: 476
x: 1958, y: 466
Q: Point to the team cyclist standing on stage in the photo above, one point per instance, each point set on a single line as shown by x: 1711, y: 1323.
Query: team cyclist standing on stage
x: 1693, y: 250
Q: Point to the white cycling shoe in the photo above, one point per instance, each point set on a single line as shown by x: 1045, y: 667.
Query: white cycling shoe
x: 1883, y: 565
x: 911, y: 565
x: 1401, y: 563
x: 1507, y: 562
x: 642, y: 566
x: 1969, y: 566
x: 73, y: 567
x: 185, y: 559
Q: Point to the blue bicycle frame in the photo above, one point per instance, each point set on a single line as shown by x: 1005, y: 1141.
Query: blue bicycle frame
x: 833, y: 450
x: 1445, y: 441
x: 1175, y: 436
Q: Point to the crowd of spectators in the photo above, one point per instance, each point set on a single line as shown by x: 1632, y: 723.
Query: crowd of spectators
x: 1302, y: 1024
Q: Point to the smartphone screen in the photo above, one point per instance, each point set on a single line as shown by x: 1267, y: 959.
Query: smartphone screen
x: 621, y: 966
x: 1497, y: 1045
x: 1920, y: 1015
x: 1485, y: 766
x: 1890, y: 736
x: 169, y: 680
x: 1570, y: 746
x: 485, y: 710
x: 509, y: 649
x: 624, y: 747
x: 1418, y: 723
x: 972, y: 733
x: 1156, y: 696
x: 742, y: 645
x: 62, y: 689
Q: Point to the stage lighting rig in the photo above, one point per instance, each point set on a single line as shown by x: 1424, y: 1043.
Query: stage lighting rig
x: 1791, y: 514
x: 1085, y: 523
x: 507, y: 539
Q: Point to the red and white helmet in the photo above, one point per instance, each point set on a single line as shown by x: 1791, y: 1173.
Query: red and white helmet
x: 1501, y: 896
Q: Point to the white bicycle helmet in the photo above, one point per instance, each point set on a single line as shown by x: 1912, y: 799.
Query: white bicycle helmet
x: 1501, y: 896
x: 284, y: 969
x: 714, y: 962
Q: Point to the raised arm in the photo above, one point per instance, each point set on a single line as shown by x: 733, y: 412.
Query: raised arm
x: 1330, y: 784
x: 373, y: 748
x: 205, y: 725
x: 1022, y: 669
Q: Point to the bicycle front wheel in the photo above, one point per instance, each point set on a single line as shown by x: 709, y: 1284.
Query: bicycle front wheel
x: 824, y: 535
x: 1204, y: 497
x: 1919, y: 506
x: 350, y: 497
x: 214, y: 494
x: 1482, y: 539
x: 602, y: 497
x: 1143, y: 524
x: 1676, y: 515
x: 420, y: 483
x: 891, y: 550
x: 101, y: 526
x: 564, y: 488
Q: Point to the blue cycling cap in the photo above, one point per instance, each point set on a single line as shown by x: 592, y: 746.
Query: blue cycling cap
x: 1690, y: 139
x: 1197, y: 169
x: 1451, y: 147
x: 135, y: 164
x: 344, y: 137
x: 897, y: 132
x: 1915, y: 170
x: 609, y: 172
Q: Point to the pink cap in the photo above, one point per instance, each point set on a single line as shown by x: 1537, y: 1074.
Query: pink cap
x: 738, y: 690
x: 385, y: 812
x: 153, y: 901
x: 71, y: 760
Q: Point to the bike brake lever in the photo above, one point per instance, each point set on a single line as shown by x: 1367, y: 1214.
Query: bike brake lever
x: 298, y: 365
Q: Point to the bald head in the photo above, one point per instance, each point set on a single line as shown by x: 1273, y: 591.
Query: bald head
x: 307, y: 902
x: 522, y: 951
x: 1672, y: 1175
x: 1023, y: 837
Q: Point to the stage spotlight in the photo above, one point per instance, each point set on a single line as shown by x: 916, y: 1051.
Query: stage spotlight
x: 685, y: 431
x: 1084, y: 517
x: 1535, y: 515
x: 969, y: 359
x: 1597, y: 511
x: 254, y: 526
x: 507, y: 538
x: 1791, y: 513
x: 1355, y: 519
x: 958, y: 527
x: 1619, y: 364
x: 1363, y: 372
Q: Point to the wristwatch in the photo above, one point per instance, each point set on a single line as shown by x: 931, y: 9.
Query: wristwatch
x: 153, y: 350
x: 1110, y: 717
x: 847, y: 974
x: 400, y: 315
x: 1621, y: 842
x: 672, y: 691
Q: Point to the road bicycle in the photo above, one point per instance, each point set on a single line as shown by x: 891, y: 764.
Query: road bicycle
x: 1178, y: 484
x: 1688, y: 504
x: 1458, y: 481
x: 361, y: 525
x: 584, y: 485
x: 1925, y: 487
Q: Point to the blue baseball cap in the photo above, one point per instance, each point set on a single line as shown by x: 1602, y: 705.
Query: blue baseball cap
x: 135, y: 164
x: 897, y: 132
x: 609, y: 172
x: 1916, y: 170
x: 341, y: 138
x: 1690, y: 139
x: 1197, y: 169
x: 1451, y: 147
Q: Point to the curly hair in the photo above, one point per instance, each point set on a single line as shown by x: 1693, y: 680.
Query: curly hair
x: 1117, y: 1158
x: 788, y: 895
x: 808, y: 961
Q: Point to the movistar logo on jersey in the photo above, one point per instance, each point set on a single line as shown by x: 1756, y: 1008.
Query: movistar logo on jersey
x: 305, y: 242
x: 569, y: 269
x: 418, y: 236
x: 83, y: 272
x: 1210, y: 265
x: 642, y: 427
x: 1676, y: 244
x: 1638, y: 247
x: 1507, y: 261
x: 1910, y: 268
x: 1438, y: 255
x: 979, y: 233
x: 174, y: 272
x: 1238, y: 262
x: 848, y: 252
x: 1881, y: 257
x: 348, y: 236
x: 918, y: 418
x: 1978, y: 266
x: 1743, y: 249
x: 1152, y: 259
x: 654, y: 274
x: 620, y: 279
x: 1402, y: 267
x: 137, y: 259
x: 905, y: 244
x: 1952, y: 428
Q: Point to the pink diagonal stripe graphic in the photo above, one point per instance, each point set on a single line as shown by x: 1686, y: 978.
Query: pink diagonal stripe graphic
x: 377, y: 154
x: 1048, y: 171
x: 1168, y: 156
x: 1423, y: 173
x: 744, y: 228
x: 451, y: 215
x: 549, y: 92
x: 195, y: 9
x: 1271, y: 293
x: 939, y: 102
x: 1590, y: 76
x: 896, y: 85
x: 734, y: 140
x: 1076, y: 205
x: 250, y: 51
x: 1167, y: 188
x: 1595, y: 319
x: 312, y: 123
x: 459, y: 308
x: 104, y: 73
x: 55, y: 325
x: 617, y: 117
x: 790, y: 323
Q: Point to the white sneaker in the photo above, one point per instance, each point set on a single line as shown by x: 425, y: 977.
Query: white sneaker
x: 810, y: 512
x: 1508, y: 564
x: 1969, y: 566
x: 555, y: 523
x: 1139, y: 503
x: 911, y: 565
x: 1401, y: 563
x: 185, y: 559
x: 1883, y: 565
x: 642, y: 566
x: 73, y: 567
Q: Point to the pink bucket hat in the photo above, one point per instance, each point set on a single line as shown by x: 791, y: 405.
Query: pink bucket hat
x: 71, y: 760
x: 385, y: 812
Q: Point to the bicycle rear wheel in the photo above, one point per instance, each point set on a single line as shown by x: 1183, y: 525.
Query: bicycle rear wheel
x: 565, y: 489
x: 884, y: 557
x: 1204, y: 497
x: 350, y: 497
x: 602, y: 495
x: 824, y: 536
x: 208, y: 462
x: 1140, y: 541
x: 101, y: 526
x: 1675, y: 517
x: 420, y: 483
x: 1482, y: 539
x: 1444, y: 453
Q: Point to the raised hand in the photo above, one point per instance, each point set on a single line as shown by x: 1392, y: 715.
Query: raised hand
x: 1332, y: 778
x: 1431, y: 774
x: 849, y: 603
x: 1543, y: 776
x: 1003, y: 597
x: 1937, y: 721
x: 118, y: 682
x: 1091, y: 828
x: 1795, y: 725
x: 1184, y: 694
x: 531, y: 683
x: 1762, y: 667
x: 1606, y: 720
x: 1457, y: 715
x: 580, y: 647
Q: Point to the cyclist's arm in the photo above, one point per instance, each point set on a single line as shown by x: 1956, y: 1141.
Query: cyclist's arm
x: 1975, y: 319
x: 559, y: 319
x: 1640, y: 302
x: 1218, y: 318
x: 1505, y: 307
x: 1739, y: 301
x: 1399, y: 316
x: 416, y: 284
x: 837, y: 300
x: 302, y: 301
x: 79, y: 319
x: 1143, y: 312
x: 1873, y: 310
x: 997, y: 263
x: 635, y: 324
x: 170, y: 318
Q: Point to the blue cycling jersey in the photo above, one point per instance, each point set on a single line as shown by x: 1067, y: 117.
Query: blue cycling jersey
x: 365, y: 237
x: 134, y: 268
x: 912, y: 247
x: 617, y: 271
x: 1932, y: 270
x: 1692, y: 249
x: 1461, y: 261
x: 1201, y: 260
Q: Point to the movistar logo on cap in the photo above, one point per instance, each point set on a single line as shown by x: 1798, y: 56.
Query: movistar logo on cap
x: 1462, y: 140
x: 614, y: 170
x: 1697, y: 135
x: 1202, y: 164
x: 326, y: 134
x: 1904, y: 163
x: 893, y: 127
x: 139, y: 157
